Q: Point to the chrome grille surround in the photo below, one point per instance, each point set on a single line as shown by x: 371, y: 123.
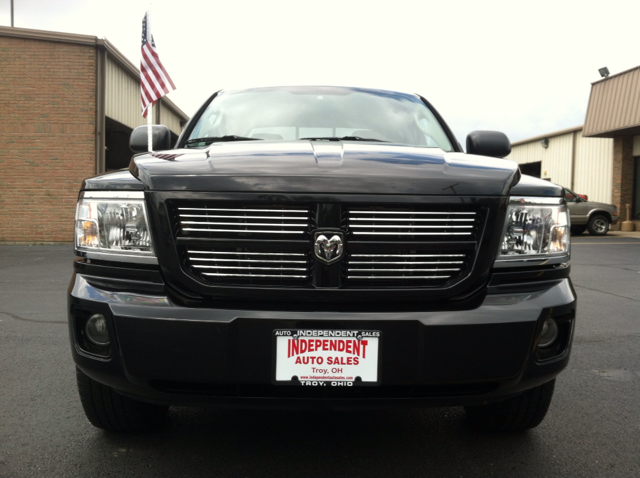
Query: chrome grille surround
x: 385, y: 246
x: 396, y: 269
x: 270, y: 221
x: 242, y: 244
x: 223, y: 265
x: 413, y: 246
x: 407, y: 224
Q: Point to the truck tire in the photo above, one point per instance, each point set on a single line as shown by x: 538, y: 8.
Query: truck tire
x: 598, y: 225
x: 518, y: 413
x: 107, y: 409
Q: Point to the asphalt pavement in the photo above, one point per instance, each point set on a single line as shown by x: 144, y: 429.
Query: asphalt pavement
x: 591, y: 430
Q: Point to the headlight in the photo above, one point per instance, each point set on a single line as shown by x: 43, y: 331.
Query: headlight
x: 113, y: 226
x: 536, y: 229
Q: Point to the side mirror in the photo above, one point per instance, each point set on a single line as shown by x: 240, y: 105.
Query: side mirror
x: 160, y: 138
x: 488, y: 143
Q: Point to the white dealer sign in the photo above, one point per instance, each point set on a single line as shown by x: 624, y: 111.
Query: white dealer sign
x: 327, y: 357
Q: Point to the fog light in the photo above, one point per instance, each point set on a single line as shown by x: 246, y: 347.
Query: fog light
x: 96, y: 330
x: 549, y: 333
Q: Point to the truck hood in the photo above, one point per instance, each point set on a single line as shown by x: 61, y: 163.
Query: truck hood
x: 324, y: 167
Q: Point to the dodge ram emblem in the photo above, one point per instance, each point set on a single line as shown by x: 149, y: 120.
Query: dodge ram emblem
x: 328, y: 250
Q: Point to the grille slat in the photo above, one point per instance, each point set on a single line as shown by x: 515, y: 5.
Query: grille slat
x: 244, y: 231
x: 412, y: 213
x: 252, y: 268
x: 253, y: 276
x: 380, y: 233
x: 279, y: 254
x: 411, y: 226
x: 400, y: 277
x: 406, y: 269
x: 415, y: 219
x: 400, y: 263
x: 213, y: 223
x: 251, y: 260
x: 227, y: 210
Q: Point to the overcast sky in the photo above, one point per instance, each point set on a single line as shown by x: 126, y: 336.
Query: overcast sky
x: 524, y: 68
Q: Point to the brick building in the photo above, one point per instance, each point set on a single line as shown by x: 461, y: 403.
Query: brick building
x: 614, y: 112
x: 67, y: 106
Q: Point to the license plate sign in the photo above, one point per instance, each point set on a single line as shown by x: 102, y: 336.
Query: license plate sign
x: 327, y: 357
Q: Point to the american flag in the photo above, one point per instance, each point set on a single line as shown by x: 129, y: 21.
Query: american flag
x: 155, y: 82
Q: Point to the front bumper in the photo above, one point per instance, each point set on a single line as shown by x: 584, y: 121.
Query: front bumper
x: 169, y: 354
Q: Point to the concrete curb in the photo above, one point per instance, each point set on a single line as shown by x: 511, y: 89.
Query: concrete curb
x: 618, y: 234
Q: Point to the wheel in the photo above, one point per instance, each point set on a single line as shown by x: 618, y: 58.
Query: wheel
x: 577, y: 230
x: 105, y: 408
x: 598, y: 225
x: 518, y: 413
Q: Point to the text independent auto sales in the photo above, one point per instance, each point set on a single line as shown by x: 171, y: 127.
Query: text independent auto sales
x: 349, y: 346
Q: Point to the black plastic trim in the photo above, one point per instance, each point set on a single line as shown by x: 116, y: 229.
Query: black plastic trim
x: 128, y: 271
x: 167, y: 248
x: 521, y: 275
x: 125, y: 277
x: 186, y: 132
x: 454, y: 142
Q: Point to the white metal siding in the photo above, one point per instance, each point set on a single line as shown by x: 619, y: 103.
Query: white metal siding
x: 170, y: 119
x: 123, y: 100
x: 594, y: 168
x: 593, y: 162
x: 555, y: 159
x: 122, y: 96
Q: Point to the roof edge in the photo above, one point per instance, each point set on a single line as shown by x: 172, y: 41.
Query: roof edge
x: 616, y: 75
x: 30, y: 34
x: 616, y: 132
x: 548, y: 135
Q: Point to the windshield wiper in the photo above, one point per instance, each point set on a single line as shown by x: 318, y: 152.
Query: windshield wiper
x: 218, y: 139
x: 344, y: 138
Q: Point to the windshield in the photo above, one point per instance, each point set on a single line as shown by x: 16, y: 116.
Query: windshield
x: 321, y: 114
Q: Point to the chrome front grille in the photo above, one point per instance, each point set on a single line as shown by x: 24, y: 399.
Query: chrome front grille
x: 409, y: 224
x: 226, y: 243
x: 233, y: 266
x: 242, y: 222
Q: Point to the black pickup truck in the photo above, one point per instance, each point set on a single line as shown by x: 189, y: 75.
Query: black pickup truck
x: 319, y: 247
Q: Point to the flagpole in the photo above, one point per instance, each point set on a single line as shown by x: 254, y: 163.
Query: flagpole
x: 150, y: 110
x: 155, y: 82
x: 150, y: 127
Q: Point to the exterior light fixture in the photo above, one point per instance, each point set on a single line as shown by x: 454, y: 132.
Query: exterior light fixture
x: 545, y: 143
x: 604, y: 72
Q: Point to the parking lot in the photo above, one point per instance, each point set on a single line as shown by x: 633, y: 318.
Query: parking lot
x: 591, y: 430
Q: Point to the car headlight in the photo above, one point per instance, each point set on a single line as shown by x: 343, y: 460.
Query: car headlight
x: 113, y: 226
x: 536, y: 230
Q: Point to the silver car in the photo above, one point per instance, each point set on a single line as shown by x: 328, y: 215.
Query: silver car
x: 595, y: 217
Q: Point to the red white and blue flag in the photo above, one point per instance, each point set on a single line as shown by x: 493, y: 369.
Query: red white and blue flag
x: 155, y: 82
